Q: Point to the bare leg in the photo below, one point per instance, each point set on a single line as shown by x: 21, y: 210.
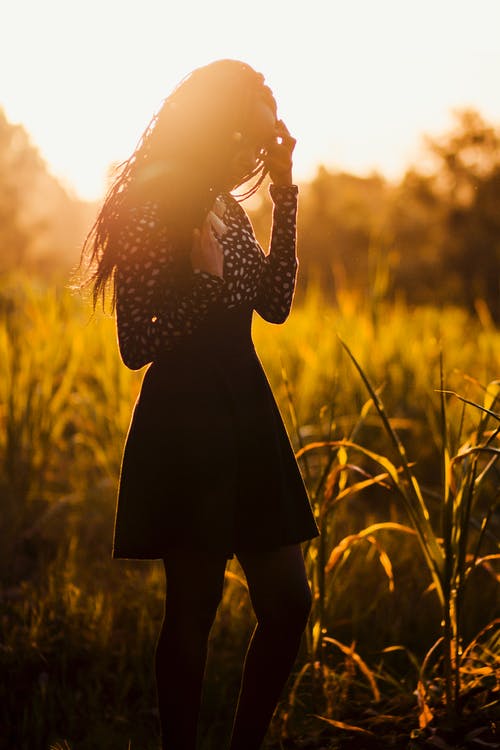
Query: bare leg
x: 194, y: 589
x: 281, y: 599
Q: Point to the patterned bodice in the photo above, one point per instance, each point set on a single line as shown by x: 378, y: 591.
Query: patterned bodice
x: 154, y: 313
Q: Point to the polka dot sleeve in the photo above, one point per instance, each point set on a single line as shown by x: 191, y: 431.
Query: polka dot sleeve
x: 152, y: 313
x: 265, y: 281
x: 277, y: 284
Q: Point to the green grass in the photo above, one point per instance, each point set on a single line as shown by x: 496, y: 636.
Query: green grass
x: 77, y: 630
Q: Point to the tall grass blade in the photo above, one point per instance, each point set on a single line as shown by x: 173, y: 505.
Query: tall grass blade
x: 346, y: 727
x: 490, y: 412
x: 411, y: 494
x: 362, y: 666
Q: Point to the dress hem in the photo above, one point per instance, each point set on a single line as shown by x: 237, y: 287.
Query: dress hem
x: 116, y: 555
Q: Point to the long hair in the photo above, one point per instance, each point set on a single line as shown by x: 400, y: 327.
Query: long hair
x: 180, y: 163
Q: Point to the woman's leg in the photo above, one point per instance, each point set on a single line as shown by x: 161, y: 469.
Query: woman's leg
x: 194, y: 589
x: 281, y: 598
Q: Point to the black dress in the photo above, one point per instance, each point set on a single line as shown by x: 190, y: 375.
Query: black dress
x: 207, y: 461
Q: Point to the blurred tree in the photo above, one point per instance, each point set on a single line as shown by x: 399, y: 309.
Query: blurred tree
x: 41, y: 225
x: 14, y: 238
x: 340, y: 225
x: 342, y: 218
x: 417, y: 225
x: 446, y: 224
x: 468, y: 180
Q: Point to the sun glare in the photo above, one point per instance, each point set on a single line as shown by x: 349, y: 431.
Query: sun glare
x: 357, y: 83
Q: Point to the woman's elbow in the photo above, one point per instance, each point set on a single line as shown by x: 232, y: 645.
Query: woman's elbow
x: 134, y: 363
x: 280, y: 317
x: 274, y: 315
x: 132, y: 358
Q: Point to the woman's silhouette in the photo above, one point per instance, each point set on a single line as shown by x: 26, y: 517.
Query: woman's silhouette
x: 208, y: 470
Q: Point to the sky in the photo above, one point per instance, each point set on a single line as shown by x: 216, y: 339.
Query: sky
x: 357, y: 81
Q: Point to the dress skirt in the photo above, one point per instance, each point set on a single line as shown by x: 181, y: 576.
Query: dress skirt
x: 207, y: 461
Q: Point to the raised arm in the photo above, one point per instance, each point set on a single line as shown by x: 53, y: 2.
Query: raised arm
x: 152, y: 312
x: 277, y: 283
x: 278, y: 280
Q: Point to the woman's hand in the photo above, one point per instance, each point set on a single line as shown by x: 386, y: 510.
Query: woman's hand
x: 206, y: 252
x: 279, y: 156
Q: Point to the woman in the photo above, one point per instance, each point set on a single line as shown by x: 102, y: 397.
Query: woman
x: 208, y: 470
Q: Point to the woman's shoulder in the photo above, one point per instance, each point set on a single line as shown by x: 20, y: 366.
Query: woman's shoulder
x: 139, y: 217
x: 141, y: 237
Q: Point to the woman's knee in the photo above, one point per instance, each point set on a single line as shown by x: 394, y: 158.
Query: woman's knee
x: 279, y: 589
x: 193, y: 591
x: 190, y: 615
x: 288, y: 610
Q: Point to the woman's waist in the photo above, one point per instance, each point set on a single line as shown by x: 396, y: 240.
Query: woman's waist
x: 229, y: 338
x: 221, y: 331
x: 200, y: 365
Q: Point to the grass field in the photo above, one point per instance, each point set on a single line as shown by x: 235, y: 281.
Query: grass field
x: 408, y: 554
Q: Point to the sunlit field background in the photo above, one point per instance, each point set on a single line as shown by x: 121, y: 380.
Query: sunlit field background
x: 387, y: 374
x: 382, y: 271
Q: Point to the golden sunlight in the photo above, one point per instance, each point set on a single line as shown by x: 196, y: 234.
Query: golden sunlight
x: 357, y: 82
